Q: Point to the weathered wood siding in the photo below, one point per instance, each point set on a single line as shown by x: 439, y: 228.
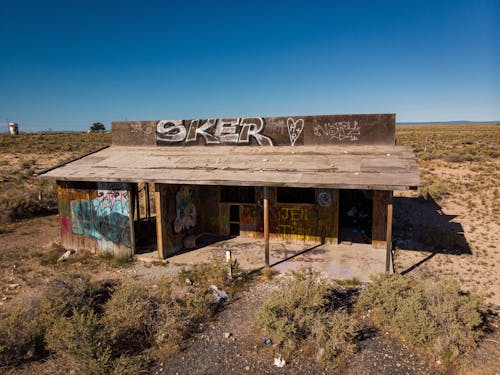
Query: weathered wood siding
x: 365, y: 129
x: 96, y: 217
x: 381, y: 199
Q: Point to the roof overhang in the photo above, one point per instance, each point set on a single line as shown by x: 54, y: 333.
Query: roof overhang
x: 379, y: 167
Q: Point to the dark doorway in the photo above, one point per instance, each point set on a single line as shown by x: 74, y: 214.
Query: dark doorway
x: 234, y: 220
x: 355, y: 216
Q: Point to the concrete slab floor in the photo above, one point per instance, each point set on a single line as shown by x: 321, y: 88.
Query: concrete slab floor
x: 338, y: 261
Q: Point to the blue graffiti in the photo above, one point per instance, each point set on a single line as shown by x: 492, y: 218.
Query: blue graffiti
x: 105, y: 217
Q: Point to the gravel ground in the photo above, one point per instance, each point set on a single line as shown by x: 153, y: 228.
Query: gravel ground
x: 211, y: 352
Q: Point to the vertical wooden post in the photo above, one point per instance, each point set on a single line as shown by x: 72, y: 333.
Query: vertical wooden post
x: 266, y: 224
x: 336, y: 221
x: 160, y: 227
x: 133, y: 192
x: 137, y: 202
x: 388, y: 259
x: 148, y: 207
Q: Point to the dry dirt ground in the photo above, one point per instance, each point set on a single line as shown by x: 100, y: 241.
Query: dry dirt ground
x: 454, y: 234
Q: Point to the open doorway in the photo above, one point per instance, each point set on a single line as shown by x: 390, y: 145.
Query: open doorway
x: 355, y: 216
x: 144, y: 218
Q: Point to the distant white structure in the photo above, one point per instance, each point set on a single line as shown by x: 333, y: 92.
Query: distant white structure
x: 13, y: 128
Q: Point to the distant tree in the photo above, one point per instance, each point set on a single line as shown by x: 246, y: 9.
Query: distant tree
x: 97, y: 127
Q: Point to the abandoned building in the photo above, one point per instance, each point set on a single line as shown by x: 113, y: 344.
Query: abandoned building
x: 171, y: 185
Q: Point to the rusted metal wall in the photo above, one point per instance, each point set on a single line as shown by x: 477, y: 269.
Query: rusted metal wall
x: 96, y: 217
x: 365, y: 129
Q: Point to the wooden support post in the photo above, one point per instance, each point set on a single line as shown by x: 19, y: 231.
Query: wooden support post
x: 266, y: 224
x: 161, y: 228
x: 336, y: 222
x: 133, y: 193
x: 137, y: 203
x: 388, y: 260
x: 148, y: 207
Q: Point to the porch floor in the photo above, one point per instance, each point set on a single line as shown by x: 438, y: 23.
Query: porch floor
x: 338, y: 261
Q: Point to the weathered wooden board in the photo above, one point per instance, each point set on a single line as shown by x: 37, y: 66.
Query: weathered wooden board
x: 347, y: 129
x: 379, y: 224
x: 96, y: 216
x: 357, y: 167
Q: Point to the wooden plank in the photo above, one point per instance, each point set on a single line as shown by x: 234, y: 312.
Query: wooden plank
x: 266, y: 225
x: 367, y: 167
x: 388, y: 259
x: 379, y: 218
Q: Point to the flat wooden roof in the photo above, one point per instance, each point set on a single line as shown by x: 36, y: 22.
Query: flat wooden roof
x: 377, y: 167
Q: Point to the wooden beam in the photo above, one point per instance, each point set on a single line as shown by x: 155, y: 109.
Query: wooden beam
x: 266, y: 225
x: 160, y: 225
x: 132, y: 192
x: 148, y: 207
x: 336, y: 221
x: 388, y: 260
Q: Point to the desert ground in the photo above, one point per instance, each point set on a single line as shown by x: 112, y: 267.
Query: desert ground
x: 449, y: 228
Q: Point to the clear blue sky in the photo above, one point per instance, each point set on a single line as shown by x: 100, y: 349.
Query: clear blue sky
x: 66, y: 64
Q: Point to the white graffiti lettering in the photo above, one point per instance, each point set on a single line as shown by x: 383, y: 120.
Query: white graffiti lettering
x: 340, y: 130
x: 213, y: 131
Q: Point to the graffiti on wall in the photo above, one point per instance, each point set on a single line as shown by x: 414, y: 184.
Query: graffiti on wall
x: 341, y: 130
x: 213, y: 131
x: 105, y: 217
x: 137, y: 127
x: 295, y: 128
x: 185, y: 209
x: 293, y: 220
x: 325, y: 198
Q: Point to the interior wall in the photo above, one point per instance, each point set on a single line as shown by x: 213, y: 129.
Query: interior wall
x: 96, y: 216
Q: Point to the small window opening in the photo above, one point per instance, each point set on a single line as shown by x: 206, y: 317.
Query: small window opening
x: 237, y: 194
x: 296, y: 195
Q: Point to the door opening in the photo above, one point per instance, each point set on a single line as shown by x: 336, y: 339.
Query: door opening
x: 355, y: 216
x: 234, y: 220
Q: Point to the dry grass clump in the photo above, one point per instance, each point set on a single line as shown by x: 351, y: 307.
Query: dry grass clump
x: 20, y: 337
x: 304, y: 313
x: 103, y: 327
x: 129, y: 319
x: 22, y: 195
x: 433, y: 315
x: 79, y: 339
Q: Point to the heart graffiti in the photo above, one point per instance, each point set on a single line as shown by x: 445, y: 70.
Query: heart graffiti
x: 294, y: 129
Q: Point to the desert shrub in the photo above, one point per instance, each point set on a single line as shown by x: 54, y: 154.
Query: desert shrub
x: 128, y: 319
x: 127, y: 365
x: 80, y: 340
x: 434, y: 315
x: 20, y: 338
x: 213, y: 272
x: 301, y: 313
x: 65, y: 294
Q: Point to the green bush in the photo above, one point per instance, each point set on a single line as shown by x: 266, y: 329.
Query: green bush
x: 301, y: 314
x: 434, y: 315
x: 80, y: 339
x: 65, y: 294
x: 128, y: 319
x: 214, y: 272
x: 20, y: 338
